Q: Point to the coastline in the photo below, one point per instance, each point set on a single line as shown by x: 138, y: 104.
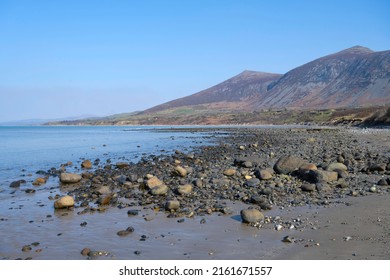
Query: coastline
x: 218, y: 199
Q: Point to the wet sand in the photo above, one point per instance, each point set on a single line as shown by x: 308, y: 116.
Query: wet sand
x: 321, y: 224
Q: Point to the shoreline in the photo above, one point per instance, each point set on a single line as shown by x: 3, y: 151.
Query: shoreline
x: 218, y: 197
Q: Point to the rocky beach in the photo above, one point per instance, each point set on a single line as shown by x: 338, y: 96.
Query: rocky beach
x: 256, y: 193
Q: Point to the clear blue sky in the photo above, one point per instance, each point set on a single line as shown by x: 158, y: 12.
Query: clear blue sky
x: 69, y: 58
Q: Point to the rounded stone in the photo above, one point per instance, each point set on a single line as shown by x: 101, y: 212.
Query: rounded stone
x: 264, y: 174
x: 154, y: 182
x: 172, y: 205
x: 39, y: 181
x: 308, y: 187
x: 251, y: 216
x: 64, y: 202
x: 87, y: 164
x: 159, y: 190
x: 229, y: 172
x: 69, y: 178
x: 180, y: 171
x: 334, y: 166
x: 184, y: 189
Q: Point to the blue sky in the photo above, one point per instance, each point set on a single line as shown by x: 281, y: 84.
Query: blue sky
x: 70, y: 58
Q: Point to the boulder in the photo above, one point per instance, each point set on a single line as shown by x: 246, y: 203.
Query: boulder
x: 64, y: 202
x: 286, y: 165
x: 69, y: 178
x: 251, y: 216
x: 319, y: 176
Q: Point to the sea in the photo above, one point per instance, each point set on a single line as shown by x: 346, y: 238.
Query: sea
x: 25, y: 150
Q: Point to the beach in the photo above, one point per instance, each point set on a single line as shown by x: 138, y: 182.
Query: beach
x: 313, y: 193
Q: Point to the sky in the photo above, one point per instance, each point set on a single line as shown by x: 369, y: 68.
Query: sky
x: 68, y: 58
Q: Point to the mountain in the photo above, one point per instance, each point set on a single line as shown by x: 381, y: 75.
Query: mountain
x: 350, y: 78
x: 353, y: 77
x: 235, y: 92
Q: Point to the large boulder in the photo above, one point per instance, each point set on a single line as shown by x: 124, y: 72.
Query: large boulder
x: 69, y: 178
x: 286, y: 165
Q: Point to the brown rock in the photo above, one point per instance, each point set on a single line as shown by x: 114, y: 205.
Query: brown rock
x: 286, y: 165
x: 64, y: 202
x: 39, y: 181
x: 334, y: 166
x: 172, y: 205
x: 229, y: 172
x: 159, y: 190
x: 264, y: 174
x: 87, y: 164
x: 307, y: 167
x: 121, y: 165
x: 180, y: 171
x: 153, y: 182
x: 184, y: 189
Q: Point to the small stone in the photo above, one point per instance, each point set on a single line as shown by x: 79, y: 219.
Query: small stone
x: 159, y: 190
x: 373, y: 189
x: 85, y: 251
x: 184, y: 189
x: 382, y: 182
x: 172, y: 205
x: 202, y: 221
x: 30, y: 191
x: 308, y: 187
x: 69, y: 178
x: 132, y: 212
x: 288, y: 239
x: 286, y: 165
x: 39, y: 181
x: 180, y: 171
x: 229, y: 172
x: 26, y: 248
x: 278, y: 227
x: 87, y: 164
x: 251, y: 215
x: 137, y: 253
x: 334, y: 166
x: 103, y: 190
x: 154, y: 182
x: 16, y: 184
x: 122, y: 165
x: 64, y: 202
x: 181, y: 220
x: 242, y: 148
x: 125, y: 232
x: 263, y: 174
x: 307, y: 167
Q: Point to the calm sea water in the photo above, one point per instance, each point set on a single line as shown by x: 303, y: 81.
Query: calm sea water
x: 25, y: 150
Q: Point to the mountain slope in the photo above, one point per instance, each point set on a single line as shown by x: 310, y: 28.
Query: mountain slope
x: 350, y: 78
x: 236, y: 90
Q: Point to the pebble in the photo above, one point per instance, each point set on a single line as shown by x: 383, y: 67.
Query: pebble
x: 288, y: 239
x: 132, y: 212
x: 26, y: 248
x: 87, y: 164
x: 184, y: 189
x: 180, y: 171
x: 172, y: 205
x: 125, y: 232
x: 159, y: 190
x: 229, y: 172
x: 64, y: 202
x: 85, y: 251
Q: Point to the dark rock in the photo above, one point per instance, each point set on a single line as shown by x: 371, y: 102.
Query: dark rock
x: 308, y: 187
x: 288, y: 239
x: 254, y: 182
x: 286, y: 165
x: 26, y: 248
x: 132, y: 212
x: 85, y: 251
x: 16, y: 184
